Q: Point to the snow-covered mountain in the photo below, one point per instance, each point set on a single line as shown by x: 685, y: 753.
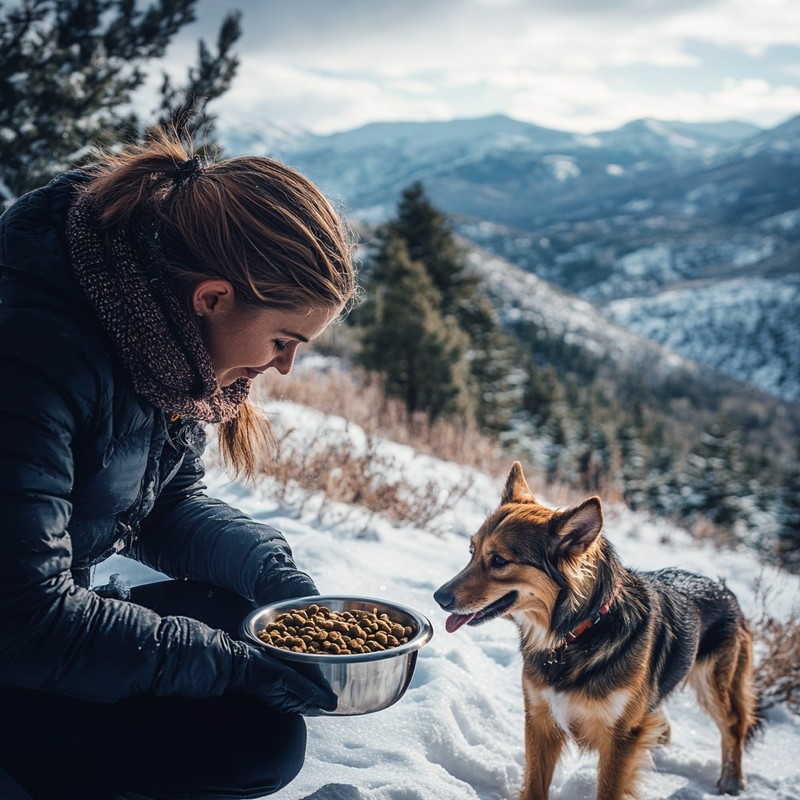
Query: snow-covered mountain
x: 633, y: 219
x: 493, y: 168
x: 523, y: 296
x: 709, y: 321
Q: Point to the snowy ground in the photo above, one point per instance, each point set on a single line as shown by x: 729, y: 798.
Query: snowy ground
x: 457, y: 734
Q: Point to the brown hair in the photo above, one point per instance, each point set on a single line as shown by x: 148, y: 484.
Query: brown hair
x: 248, y: 220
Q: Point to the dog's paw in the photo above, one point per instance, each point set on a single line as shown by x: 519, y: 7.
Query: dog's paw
x: 730, y: 784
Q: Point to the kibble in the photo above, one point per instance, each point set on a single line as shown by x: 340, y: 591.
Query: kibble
x: 317, y: 629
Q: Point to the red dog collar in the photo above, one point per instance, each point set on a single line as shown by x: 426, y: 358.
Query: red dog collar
x: 584, y: 626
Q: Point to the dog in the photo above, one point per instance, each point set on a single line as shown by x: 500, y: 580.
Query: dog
x: 603, y: 646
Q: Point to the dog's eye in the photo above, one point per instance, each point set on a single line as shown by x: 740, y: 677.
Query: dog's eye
x: 472, y: 549
x: 498, y: 561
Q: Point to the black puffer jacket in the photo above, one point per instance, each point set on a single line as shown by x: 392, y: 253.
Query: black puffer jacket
x: 86, y: 468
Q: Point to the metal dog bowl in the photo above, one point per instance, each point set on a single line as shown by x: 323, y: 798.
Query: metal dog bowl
x: 363, y: 682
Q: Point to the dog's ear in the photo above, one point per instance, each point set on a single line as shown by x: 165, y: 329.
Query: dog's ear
x: 516, y: 489
x: 579, y: 527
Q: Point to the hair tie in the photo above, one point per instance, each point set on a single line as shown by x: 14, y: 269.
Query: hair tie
x: 187, y: 171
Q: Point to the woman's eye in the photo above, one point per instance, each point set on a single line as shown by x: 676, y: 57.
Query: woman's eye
x: 498, y: 561
x: 280, y: 346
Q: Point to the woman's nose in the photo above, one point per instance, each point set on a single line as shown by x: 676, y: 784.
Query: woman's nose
x: 284, y: 361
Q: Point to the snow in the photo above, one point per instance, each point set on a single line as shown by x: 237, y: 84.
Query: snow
x: 457, y: 734
x: 563, y: 168
x: 709, y: 323
x: 788, y: 221
x: 523, y: 295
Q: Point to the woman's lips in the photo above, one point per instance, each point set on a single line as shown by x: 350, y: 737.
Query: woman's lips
x: 252, y: 373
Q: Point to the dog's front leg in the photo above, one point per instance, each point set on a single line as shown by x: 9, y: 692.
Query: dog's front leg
x: 621, y: 759
x: 543, y: 743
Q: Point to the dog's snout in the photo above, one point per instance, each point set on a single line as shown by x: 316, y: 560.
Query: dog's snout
x: 444, y: 598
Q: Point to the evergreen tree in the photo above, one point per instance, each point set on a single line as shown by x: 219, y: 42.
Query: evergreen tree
x: 555, y: 431
x: 490, y: 353
x: 633, y: 460
x: 712, y: 476
x: 68, y: 73
x: 405, y: 339
x: 788, y: 544
x: 663, y: 486
x: 429, y: 239
x: 542, y: 391
x: 498, y: 381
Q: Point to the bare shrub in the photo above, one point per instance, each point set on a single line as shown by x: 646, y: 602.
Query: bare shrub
x: 705, y: 530
x: 777, y: 645
x: 340, y: 472
x: 355, y: 397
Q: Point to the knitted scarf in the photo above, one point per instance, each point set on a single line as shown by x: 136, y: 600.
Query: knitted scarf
x: 158, y: 340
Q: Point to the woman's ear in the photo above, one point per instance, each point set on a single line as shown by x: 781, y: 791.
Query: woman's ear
x: 212, y: 297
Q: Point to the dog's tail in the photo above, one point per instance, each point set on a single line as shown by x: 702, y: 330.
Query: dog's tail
x: 759, y: 718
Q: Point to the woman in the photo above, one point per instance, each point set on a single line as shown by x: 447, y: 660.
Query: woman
x: 138, y: 300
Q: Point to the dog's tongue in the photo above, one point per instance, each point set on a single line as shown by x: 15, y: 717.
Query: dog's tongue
x: 455, y: 621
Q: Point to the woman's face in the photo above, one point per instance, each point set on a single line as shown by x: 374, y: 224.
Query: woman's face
x: 245, y: 343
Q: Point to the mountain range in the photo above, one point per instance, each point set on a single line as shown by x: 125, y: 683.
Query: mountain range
x: 684, y: 233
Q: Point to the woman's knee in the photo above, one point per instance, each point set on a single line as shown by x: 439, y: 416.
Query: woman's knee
x: 265, y: 764
x: 287, y: 756
x: 231, y: 748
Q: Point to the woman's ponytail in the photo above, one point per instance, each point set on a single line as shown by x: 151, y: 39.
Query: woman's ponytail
x: 251, y: 221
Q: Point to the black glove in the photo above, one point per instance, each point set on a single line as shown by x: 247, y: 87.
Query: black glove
x: 286, y: 586
x: 283, y: 688
x: 300, y: 585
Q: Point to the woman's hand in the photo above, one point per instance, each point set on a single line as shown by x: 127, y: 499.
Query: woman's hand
x: 281, y: 686
x: 292, y: 584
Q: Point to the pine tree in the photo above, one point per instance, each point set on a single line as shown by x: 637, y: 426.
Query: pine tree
x: 405, y: 339
x: 788, y: 544
x: 68, y: 73
x: 633, y: 461
x: 428, y: 237
x: 493, y: 364
x: 542, y: 391
x: 712, y: 475
x: 490, y: 354
x: 558, y: 452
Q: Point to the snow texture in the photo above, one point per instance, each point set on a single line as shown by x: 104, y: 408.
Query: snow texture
x: 708, y: 323
x: 457, y: 734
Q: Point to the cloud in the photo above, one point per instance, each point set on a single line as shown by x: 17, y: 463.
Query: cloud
x: 579, y: 64
x: 752, y: 28
x: 323, y: 102
x: 755, y: 97
x: 419, y: 39
x: 587, y: 104
x: 430, y: 34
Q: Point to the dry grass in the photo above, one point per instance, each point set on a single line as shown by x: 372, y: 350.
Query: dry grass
x: 355, y: 397
x: 777, y: 645
x: 334, y: 473
x: 339, y: 475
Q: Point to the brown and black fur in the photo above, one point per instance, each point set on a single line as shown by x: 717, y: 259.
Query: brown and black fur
x: 549, y: 571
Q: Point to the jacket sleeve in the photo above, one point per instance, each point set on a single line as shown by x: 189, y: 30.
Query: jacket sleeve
x: 191, y: 535
x: 54, y: 635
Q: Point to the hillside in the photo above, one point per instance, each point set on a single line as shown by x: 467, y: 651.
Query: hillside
x: 686, y: 394
x: 493, y: 168
x: 457, y: 734
x: 707, y: 321
x: 617, y: 215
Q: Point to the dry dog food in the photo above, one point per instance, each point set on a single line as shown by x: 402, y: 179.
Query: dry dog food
x: 317, y: 629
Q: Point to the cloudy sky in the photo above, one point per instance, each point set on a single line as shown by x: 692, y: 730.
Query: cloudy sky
x: 579, y: 65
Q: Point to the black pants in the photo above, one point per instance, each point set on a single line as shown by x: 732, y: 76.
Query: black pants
x: 232, y: 746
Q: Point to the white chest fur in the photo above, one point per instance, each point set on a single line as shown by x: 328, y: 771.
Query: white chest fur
x: 587, y: 720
